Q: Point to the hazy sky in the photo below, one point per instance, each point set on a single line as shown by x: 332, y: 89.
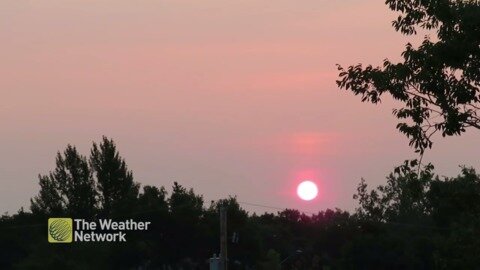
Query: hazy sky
x: 227, y: 97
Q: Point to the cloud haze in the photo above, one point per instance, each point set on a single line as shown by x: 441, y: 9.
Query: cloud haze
x: 230, y: 98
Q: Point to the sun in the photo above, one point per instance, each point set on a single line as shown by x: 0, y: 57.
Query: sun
x: 307, y: 190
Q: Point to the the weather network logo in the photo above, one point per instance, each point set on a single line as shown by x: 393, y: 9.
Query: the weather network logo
x: 68, y: 230
x: 60, y: 230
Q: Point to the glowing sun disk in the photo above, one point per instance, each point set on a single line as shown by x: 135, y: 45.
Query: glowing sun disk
x: 307, y: 190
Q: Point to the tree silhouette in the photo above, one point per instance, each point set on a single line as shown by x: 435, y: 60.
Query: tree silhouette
x: 153, y: 198
x: 115, y: 184
x: 185, y: 203
x: 438, y: 82
x: 69, y: 189
x: 418, y: 221
x: 49, y: 199
x: 402, y: 199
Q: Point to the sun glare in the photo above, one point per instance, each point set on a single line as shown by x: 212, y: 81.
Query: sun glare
x: 307, y: 190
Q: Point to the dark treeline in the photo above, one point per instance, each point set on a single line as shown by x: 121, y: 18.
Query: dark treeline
x: 415, y: 221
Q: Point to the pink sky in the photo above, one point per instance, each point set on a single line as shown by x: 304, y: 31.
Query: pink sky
x: 227, y: 97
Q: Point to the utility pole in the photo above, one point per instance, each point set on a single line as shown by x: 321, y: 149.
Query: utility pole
x: 223, y: 238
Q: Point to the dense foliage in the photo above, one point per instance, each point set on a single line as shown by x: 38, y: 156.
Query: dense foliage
x: 415, y: 221
x: 438, y: 82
